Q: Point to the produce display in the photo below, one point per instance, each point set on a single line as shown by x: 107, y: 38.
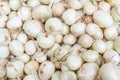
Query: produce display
x: 59, y: 39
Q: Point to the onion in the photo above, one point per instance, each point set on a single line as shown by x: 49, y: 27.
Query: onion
x: 4, y: 52
x: 32, y: 27
x: 90, y: 56
x: 15, y: 69
x: 111, y: 69
x: 101, y: 18
x: 74, y: 62
x: 88, y: 71
x: 46, y: 70
x: 17, y: 51
x: 45, y: 41
x: 31, y: 67
x: 70, y: 16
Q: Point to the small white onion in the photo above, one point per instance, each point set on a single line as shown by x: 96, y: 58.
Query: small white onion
x: 22, y: 37
x: 40, y: 57
x: 111, y: 69
x: 17, y: 51
x: 14, y: 23
x: 15, y: 69
x: 70, y: 16
x: 85, y: 41
x: 32, y: 27
x: 45, y: 40
x: 104, y: 6
x: 53, y: 25
x: 111, y: 56
x: 4, y: 52
x: 94, y: 30
x: 4, y: 8
x: 89, y: 8
x: 41, y: 12
x: 58, y: 9
x: 88, y: 71
x: 110, y: 33
x: 31, y: 67
x: 24, y: 13
x: 69, y: 39
x: 74, y: 62
x: 103, y: 19
x: 90, y: 56
x: 78, y: 29
x: 30, y: 47
x: 14, y: 4
x: 46, y: 70
x: 99, y: 46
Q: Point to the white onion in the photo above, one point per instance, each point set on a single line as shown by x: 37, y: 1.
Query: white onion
x: 85, y: 41
x: 30, y: 47
x: 14, y: 4
x: 94, y: 30
x: 103, y: 19
x: 32, y: 27
x: 78, y: 29
x: 74, y: 62
x: 110, y: 33
x: 40, y: 57
x: 69, y: 39
x: 111, y: 56
x: 45, y: 40
x: 42, y: 12
x: 31, y: 67
x: 53, y: 25
x: 4, y: 8
x: 17, y: 51
x: 15, y: 69
x: 99, y: 46
x: 46, y: 70
x: 24, y: 13
x: 58, y: 9
x: 111, y: 69
x: 4, y: 52
x: 22, y: 37
x: 88, y: 71
x: 90, y: 56
x: 70, y: 16
x: 14, y: 23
